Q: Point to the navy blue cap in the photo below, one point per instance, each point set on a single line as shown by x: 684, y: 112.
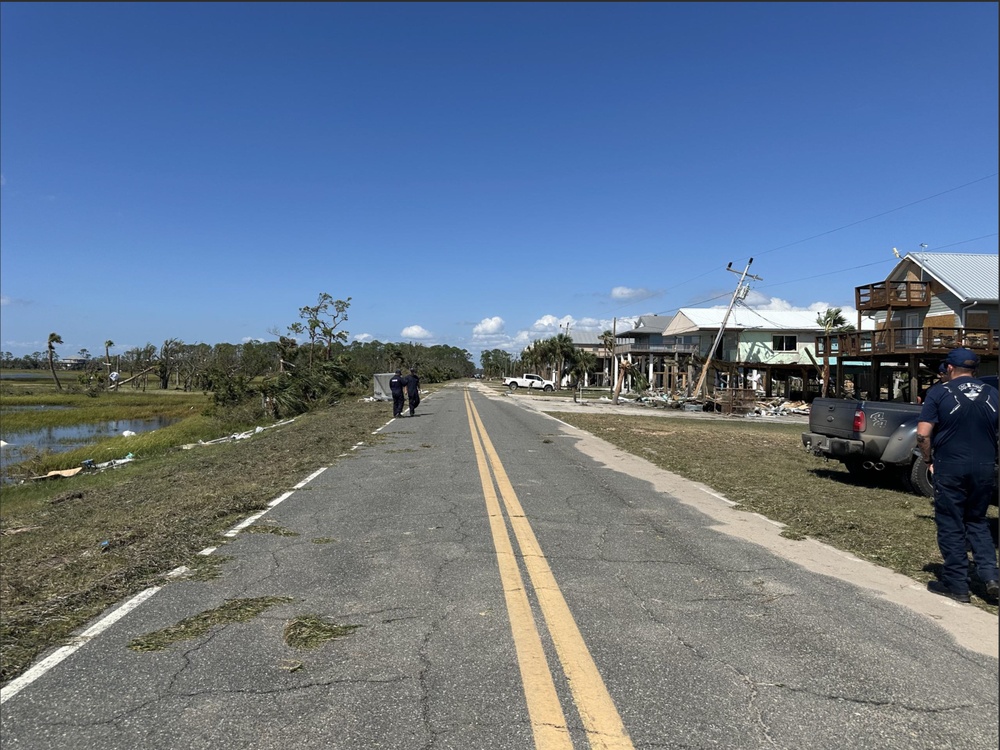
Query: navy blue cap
x: 962, y: 357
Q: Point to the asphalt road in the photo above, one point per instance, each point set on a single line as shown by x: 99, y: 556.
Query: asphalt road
x: 518, y: 584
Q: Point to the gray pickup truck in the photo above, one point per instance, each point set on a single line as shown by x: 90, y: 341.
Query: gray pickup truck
x: 869, y: 436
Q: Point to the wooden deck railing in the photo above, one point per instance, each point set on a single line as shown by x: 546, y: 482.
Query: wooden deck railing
x: 929, y: 340
x: 896, y: 294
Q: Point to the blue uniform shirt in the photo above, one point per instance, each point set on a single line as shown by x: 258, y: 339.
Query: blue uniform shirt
x: 964, y: 413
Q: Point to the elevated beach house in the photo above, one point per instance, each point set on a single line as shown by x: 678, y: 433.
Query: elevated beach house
x: 928, y: 304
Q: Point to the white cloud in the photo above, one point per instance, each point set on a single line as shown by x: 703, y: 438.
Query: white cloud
x: 759, y: 301
x: 363, y: 337
x: 4, y: 300
x: 415, y: 332
x: 627, y: 293
x: 552, y: 324
x: 489, y: 327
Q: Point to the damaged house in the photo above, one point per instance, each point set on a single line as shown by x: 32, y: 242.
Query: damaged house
x: 765, y: 351
x: 769, y: 351
x: 929, y: 303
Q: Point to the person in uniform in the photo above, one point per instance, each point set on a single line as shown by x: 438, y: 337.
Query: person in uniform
x: 412, y: 383
x: 396, y: 388
x: 957, y: 438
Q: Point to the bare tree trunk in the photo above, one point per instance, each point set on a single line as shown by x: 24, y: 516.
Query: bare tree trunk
x: 129, y: 380
x: 52, y: 367
x: 618, y: 385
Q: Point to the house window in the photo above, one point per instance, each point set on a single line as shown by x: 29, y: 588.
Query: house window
x: 784, y: 343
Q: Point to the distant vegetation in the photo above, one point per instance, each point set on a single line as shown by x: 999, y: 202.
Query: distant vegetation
x: 555, y: 358
x: 309, y: 363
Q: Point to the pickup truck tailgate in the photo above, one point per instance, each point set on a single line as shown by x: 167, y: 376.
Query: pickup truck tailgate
x: 833, y: 417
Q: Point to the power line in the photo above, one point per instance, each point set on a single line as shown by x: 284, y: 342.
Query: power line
x: 876, y: 216
x: 963, y: 242
x: 832, y: 273
x: 823, y: 234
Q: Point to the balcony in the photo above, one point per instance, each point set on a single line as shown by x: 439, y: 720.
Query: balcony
x: 930, y: 340
x: 894, y: 294
x: 658, y: 349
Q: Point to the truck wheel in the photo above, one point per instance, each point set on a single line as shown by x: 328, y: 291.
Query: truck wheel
x: 920, y: 478
x: 547, y: 388
x: 513, y: 386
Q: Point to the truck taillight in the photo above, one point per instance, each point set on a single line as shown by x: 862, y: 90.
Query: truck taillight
x: 860, y: 423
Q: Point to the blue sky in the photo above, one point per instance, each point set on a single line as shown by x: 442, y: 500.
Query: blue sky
x: 476, y: 175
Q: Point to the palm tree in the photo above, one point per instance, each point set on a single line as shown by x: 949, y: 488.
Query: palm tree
x: 832, y: 321
x: 583, y: 363
x: 562, y: 349
x: 608, y: 340
x: 107, y: 358
x: 532, y: 356
x: 54, y: 338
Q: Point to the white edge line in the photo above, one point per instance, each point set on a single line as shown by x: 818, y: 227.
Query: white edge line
x: 243, y: 524
x: 280, y: 499
x: 14, y: 687
x: 309, y: 478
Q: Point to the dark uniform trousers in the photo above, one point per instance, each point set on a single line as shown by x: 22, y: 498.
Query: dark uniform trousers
x: 962, y: 493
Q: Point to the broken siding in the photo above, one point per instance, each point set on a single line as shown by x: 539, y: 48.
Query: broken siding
x: 757, y: 347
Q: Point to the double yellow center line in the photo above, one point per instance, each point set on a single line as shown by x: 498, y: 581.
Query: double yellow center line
x: 597, y: 711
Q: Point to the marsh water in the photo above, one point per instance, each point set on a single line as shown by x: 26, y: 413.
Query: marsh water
x: 22, y: 445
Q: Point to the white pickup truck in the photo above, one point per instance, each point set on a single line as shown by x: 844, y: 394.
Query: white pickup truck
x: 529, y: 381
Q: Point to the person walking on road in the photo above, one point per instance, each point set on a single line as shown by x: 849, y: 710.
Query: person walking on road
x: 412, y: 383
x: 396, y: 388
x: 957, y: 438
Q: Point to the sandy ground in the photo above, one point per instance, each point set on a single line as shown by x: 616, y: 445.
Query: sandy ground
x: 972, y: 628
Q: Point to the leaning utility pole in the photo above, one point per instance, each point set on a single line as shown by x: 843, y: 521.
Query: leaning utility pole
x: 740, y: 293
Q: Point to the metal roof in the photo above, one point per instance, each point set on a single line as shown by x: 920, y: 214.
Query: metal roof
x: 690, y: 319
x: 588, y: 338
x: 970, y: 276
x: 649, y: 324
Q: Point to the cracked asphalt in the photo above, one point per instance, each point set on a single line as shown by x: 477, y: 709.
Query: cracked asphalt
x: 708, y: 628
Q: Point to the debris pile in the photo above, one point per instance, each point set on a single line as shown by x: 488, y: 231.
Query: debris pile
x: 745, y: 403
x: 778, y: 408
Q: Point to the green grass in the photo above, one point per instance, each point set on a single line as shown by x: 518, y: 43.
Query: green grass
x: 78, y: 408
x: 155, y: 514
x: 312, y: 631
x: 232, y: 610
